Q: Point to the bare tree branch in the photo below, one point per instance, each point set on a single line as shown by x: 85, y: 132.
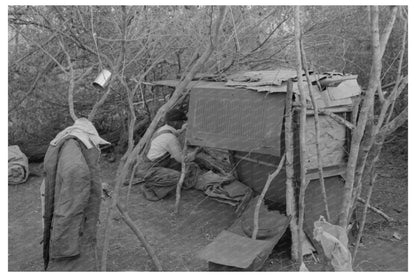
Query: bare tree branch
x: 30, y: 91
x: 141, y: 237
x: 358, y: 132
x: 387, y: 30
x: 394, y: 124
x: 270, y: 178
x: 71, y: 83
x: 317, y: 130
x: 44, y: 51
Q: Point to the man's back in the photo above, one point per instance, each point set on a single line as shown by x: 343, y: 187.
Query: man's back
x: 165, y: 141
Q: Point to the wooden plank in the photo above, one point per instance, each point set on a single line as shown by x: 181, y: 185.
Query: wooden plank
x: 328, y: 172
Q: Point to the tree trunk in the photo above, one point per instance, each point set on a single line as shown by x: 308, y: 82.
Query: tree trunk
x: 358, y: 132
x: 130, y: 157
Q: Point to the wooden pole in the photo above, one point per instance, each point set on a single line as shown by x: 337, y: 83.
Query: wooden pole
x: 302, y: 125
x: 291, y: 209
x: 317, y: 132
x: 181, y: 178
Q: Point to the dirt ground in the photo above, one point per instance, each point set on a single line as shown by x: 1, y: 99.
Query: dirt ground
x: 177, y: 239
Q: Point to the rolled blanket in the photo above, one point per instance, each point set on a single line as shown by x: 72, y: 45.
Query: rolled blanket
x: 18, y: 166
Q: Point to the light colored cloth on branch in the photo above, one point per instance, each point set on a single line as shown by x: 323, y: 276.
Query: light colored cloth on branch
x: 84, y: 130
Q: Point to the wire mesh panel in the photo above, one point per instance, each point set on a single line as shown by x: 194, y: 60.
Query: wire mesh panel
x: 236, y: 119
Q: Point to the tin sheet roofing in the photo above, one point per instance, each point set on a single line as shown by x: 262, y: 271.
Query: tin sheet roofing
x: 330, y: 89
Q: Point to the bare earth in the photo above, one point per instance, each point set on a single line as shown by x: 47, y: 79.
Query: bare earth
x: 177, y: 239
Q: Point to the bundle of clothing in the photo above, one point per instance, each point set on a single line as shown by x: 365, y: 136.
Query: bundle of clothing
x: 206, y: 173
x: 222, y: 187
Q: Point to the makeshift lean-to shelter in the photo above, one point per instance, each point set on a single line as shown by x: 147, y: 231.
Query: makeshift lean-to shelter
x: 245, y: 115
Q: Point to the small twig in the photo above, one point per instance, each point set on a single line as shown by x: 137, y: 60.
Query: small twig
x: 141, y: 237
x: 377, y: 211
x: 30, y: 91
x: 251, y: 160
x: 181, y: 179
x: 355, y: 110
x: 133, y: 172
x: 35, y: 50
x: 263, y: 193
x: 337, y: 118
x: 94, y: 37
x: 235, y: 30
x: 317, y: 131
x: 45, y: 51
x: 380, y: 94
